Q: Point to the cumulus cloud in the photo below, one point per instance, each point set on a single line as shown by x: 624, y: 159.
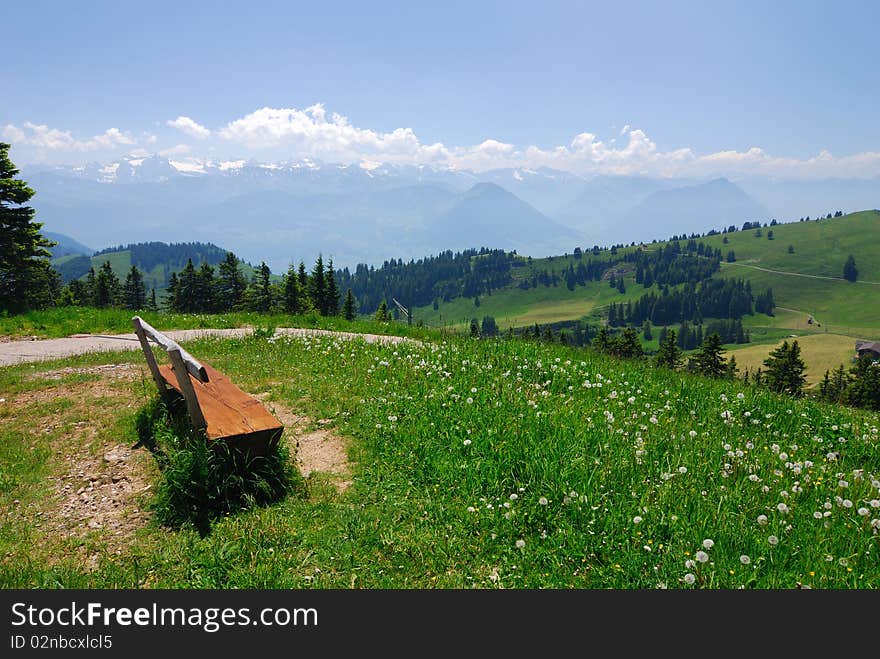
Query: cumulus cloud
x: 273, y: 134
x: 190, y: 127
x: 176, y: 150
x: 313, y: 132
x: 52, y: 139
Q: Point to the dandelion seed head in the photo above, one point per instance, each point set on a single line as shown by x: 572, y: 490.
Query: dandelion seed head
x: 689, y: 579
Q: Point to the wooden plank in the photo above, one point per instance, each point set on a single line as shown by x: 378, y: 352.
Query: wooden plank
x: 231, y: 414
x: 193, y: 365
x: 186, y: 388
x: 151, y: 358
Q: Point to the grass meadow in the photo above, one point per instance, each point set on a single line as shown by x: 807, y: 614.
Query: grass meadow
x: 474, y: 463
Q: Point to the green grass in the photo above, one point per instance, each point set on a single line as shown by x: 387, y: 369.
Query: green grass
x: 820, y: 249
x: 66, y: 321
x: 485, y: 464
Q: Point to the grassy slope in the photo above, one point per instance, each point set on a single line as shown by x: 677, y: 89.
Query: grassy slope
x: 820, y: 249
x: 65, y: 321
x: 462, y: 451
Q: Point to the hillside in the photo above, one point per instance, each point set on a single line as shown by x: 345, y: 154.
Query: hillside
x: 66, y: 246
x: 156, y: 260
x: 807, y: 282
x: 457, y: 464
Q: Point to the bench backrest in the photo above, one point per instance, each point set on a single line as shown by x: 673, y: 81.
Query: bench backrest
x: 183, y: 364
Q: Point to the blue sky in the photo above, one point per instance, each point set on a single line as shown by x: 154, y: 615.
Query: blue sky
x: 664, y: 87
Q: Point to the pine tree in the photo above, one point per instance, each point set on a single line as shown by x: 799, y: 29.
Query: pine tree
x: 489, y: 327
x: 475, y: 328
x: 317, y: 287
x: 732, y: 368
x: 262, y: 285
x: 709, y: 360
x: 349, y: 307
x: 646, y: 330
x: 864, y: 387
x: 629, y: 345
x: 134, y: 293
x: 785, y: 369
x: 602, y: 340
x: 331, y: 292
x: 151, y: 301
x: 669, y: 354
x: 107, y: 290
x: 292, y: 292
x: 382, y: 312
x: 205, y: 289
x: 26, y: 278
x: 171, y: 291
x: 185, y: 295
x: 231, y: 285
x: 850, y: 272
x: 303, y: 278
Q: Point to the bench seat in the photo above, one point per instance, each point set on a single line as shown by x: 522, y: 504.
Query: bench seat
x: 232, y: 415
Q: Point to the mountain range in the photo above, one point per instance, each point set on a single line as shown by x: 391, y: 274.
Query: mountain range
x: 283, y: 212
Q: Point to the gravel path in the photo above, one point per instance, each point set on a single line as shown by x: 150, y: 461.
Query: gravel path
x: 17, y: 352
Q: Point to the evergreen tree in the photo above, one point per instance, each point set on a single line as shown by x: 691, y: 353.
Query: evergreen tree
x: 26, y: 278
x: 317, y: 287
x: 205, y: 289
x: 646, y: 330
x: 331, y: 292
x: 785, y: 369
x: 382, y: 312
x: 231, y: 284
x: 709, y: 360
x: 668, y: 354
x: 293, y: 302
x: 171, y: 291
x: 602, y: 340
x: 134, y: 293
x: 732, y: 368
x: 864, y: 387
x: 262, y: 289
x: 629, y: 345
x: 475, y: 328
x: 77, y: 294
x: 303, y: 278
x: 349, y: 307
x: 489, y: 327
x: 186, y: 292
x: 850, y: 272
x: 107, y: 290
x: 151, y: 301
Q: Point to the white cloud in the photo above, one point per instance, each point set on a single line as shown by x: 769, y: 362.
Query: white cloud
x: 311, y: 132
x: 13, y: 133
x: 52, y: 139
x: 177, y: 150
x: 190, y: 127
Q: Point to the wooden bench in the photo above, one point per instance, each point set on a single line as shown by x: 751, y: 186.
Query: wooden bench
x: 215, y: 405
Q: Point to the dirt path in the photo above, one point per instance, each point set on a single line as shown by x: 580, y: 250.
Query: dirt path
x: 800, y: 274
x: 17, y: 352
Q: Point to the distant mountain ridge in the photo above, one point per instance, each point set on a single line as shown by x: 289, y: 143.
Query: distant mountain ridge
x: 294, y: 210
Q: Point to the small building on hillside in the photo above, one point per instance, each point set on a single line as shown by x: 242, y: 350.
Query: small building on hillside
x: 870, y: 348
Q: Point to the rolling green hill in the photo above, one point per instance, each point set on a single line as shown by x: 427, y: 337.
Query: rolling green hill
x: 155, y: 260
x: 807, y: 285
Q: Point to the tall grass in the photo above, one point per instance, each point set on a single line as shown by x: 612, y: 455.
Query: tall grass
x: 202, y: 480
